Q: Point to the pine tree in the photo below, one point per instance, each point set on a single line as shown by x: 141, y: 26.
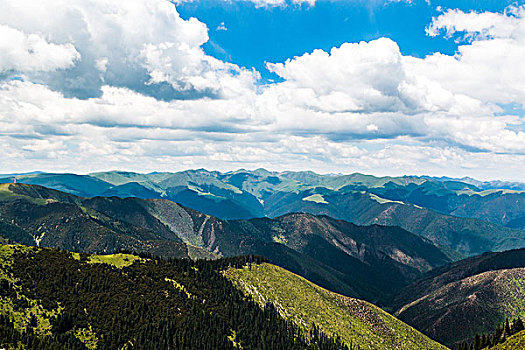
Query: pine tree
x: 517, y: 326
x: 33, y: 322
x: 496, y: 337
x: 477, y: 342
x: 484, y: 341
x: 507, y: 333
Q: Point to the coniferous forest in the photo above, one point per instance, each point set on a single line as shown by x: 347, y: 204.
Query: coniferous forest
x: 151, y: 304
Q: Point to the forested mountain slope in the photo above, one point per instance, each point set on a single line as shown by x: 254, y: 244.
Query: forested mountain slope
x: 35, y: 215
x: 69, y: 301
x: 62, y: 300
x: 355, y: 321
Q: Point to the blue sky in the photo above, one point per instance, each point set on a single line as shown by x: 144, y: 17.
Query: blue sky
x: 380, y: 87
x: 256, y: 35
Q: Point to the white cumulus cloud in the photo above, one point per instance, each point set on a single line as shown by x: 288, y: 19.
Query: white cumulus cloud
x: 490, y: 66
x: 24, y: 53
x: 142, y: 45
x: 266, y: 3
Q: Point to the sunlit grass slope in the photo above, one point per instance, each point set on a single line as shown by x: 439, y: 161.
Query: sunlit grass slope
x: 515, y: 342
x: 119, y: 260
x: 355, y: 321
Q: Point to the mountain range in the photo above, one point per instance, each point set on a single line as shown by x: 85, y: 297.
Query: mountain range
x: 456, y: 215
x: 370, y: 262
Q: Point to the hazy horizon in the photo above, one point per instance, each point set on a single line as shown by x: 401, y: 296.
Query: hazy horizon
x: 33, y: 172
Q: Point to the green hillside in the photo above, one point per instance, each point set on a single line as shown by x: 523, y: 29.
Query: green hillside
x: 35, y: 215
x: 355, y: 321
x: 80, y: 185
x: 52, y: 299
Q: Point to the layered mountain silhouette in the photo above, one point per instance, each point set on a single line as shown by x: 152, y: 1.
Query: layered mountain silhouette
x: 398, y: 242
x: 465, y: 217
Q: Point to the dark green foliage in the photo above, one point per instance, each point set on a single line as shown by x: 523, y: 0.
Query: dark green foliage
x: 15, y: 234
x: 141, y: 305
x: 506, y: 329
x: 10, y: 338
x: 500, y: 334
x: 517, y: 326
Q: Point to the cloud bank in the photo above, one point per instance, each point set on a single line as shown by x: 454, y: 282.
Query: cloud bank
x: 89, y: 85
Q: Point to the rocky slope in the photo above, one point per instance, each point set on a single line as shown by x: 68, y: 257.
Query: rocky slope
x: 473, y: 296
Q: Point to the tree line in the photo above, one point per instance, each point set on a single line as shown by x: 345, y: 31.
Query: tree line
x: 500, y: 334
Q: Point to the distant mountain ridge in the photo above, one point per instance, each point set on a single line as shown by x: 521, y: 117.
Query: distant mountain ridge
x: 456, y: 215
x: 484, y: 185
